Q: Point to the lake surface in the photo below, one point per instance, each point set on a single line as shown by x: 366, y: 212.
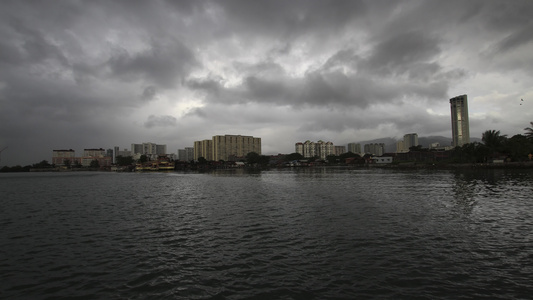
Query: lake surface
x: 305, y: 233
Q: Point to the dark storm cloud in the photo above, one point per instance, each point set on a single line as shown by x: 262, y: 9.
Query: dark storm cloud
x: 290, y: 19
x: 91, y: 70
x: 404, y: 53
x: 163, y: 63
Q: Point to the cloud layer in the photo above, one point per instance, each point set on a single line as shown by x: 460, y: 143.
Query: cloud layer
x: 89, y: 74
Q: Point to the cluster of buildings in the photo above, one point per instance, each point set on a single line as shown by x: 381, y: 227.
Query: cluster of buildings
x: 106, y: 158
x: 69, y: 158
x: 235, y: 147
x: 460, y: 136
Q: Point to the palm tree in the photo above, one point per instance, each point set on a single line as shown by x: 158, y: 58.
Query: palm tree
x: 493, y: 139
x: 529, y: 131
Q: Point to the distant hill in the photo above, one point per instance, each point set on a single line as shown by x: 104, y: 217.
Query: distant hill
x: 390, y: 143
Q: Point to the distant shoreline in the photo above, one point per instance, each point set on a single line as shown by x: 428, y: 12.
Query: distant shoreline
x: 400, y: 166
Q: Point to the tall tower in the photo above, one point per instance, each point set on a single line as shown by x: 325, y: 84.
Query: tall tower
x: 460, y: 124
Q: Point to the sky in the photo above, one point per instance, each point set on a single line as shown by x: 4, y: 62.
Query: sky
x: 99, y: 74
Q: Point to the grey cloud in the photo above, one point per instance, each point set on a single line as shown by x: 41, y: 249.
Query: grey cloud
x: 290, y: 19
x: 148, y: 93
x: 32, y: 47
x: 517, y: 38
x: 164, y: 63
x: 160, y: 121
x: 85, y: 71
x: 398, y: 54
x: 198, y: 112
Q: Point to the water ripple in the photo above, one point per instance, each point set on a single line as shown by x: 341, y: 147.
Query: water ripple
x: 301, y: 234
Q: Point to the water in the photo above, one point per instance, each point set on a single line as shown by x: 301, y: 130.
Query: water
x: 281, y: 234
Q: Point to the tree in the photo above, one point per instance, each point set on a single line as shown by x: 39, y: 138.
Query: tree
x: 417, y: 148
x: 348, y: 155
x: 252, y: 158
x: 519, y: 147
x: 94, y: 164
x: 494, y: 140
x: 294, y: 156
x: 124, y: 160
x: 471, y: 153
x: 66, y: 162
x: 143, y: 158
x: 332, y: 158
x: 529, y: 131
x: 42, y: 164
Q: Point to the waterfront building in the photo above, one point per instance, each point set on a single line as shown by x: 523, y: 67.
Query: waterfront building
x: 310, y: 149
x: 60, y: 157
x: 203, y: 149
x: 189, y: 153
x: 400, y: 148
x: 225, y: 146
x: 375, y: 149
x: 222, y: 147
x: 460, y: 123
x: 299, y: 148
x: 118, y: 152
x: 354, y: 148
x: 410, y: 140
x: 181, y: 155
x: 186, y: 154
x: 94, y: 152
x: 339, y: 150
x: 151, y: 150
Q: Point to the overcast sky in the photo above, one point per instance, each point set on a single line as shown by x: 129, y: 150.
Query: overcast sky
x: 98, y: 74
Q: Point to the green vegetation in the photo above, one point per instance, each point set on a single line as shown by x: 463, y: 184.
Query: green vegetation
x: 529, y: 131
x: 294, y: 156
x: 495, y: 146
x: 94, y: 164
x: 124, y: 160
x: 255, y: 159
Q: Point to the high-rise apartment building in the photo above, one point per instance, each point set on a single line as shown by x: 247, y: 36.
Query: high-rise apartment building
x: 149, y: 149
x: 460, y: 124
x: 339, y: 150
x: 186, y: 154
x: 311, y: 149
x: 410, y: 140
x: 223, y: 147
x: 299, y: 148
x: 203, y: 149
x: 354, y: 148
x: 60, y: 157
x: 95, y: 152
x: 375, y: 148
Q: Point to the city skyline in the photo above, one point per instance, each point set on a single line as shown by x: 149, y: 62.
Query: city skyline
x: 102, y: 74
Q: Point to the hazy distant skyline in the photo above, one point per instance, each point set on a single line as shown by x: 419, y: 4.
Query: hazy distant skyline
x: 91, y: 74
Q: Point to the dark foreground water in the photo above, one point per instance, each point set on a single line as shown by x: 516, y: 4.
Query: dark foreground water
x: 289, y: 234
